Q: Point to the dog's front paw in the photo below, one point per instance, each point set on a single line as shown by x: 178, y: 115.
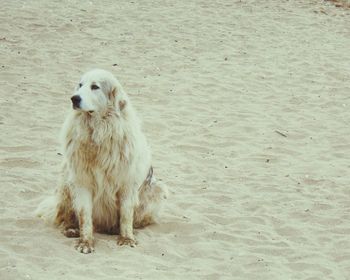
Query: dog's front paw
x: 85, y: 246
x: 126, y: 241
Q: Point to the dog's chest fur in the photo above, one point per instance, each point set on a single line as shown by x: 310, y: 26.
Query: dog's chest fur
x: 96, y: 156
x: 90, y: 150
x: 95, y: 142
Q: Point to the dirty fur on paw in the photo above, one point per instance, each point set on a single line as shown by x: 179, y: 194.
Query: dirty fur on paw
x: 71, y: 232
x: 85, y: 246
x: 126, y: 241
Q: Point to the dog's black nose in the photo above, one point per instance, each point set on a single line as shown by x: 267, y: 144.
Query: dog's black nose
x: 76, y: 101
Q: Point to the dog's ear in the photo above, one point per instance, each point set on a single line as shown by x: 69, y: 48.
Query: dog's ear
x: 112, y: 94
x: 122, y: 104
x: 116, y: 97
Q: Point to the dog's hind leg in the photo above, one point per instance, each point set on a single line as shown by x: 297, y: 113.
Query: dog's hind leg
x: 66, y: 217
x: 151, y: 199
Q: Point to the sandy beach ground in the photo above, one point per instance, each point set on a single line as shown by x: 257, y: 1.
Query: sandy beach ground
x: 246, y: 106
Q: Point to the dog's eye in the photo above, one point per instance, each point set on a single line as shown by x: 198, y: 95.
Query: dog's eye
x: 93, y: 87
x: 80, y: 85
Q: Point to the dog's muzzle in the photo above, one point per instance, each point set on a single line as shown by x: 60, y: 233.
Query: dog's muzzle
x: 76, y: 101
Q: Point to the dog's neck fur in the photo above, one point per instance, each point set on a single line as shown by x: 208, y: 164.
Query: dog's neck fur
x: 108, y: 127
x: 91, y: 120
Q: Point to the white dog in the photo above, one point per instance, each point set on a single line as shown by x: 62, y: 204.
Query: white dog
x: 107, y: 183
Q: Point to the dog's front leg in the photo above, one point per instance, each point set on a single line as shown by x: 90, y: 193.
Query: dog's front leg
x: 83, y: 206
x: 127, y: 205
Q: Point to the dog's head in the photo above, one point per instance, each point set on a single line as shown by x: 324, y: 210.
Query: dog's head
x: 98, y: 91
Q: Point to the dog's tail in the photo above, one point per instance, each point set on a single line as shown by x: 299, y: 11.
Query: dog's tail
x: 47, y: 209
x: 151, y: 200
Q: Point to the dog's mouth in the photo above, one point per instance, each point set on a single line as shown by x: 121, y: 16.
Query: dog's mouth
x: 77, y: 107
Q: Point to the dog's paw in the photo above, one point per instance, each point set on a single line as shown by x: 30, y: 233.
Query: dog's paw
x: 126, y: 241
x: 71, y: 232
x: 85, y: 246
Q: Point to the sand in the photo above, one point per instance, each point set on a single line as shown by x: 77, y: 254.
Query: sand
x: 246, y: 107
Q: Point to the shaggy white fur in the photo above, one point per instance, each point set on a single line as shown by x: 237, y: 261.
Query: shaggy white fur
x: 107, y: 183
